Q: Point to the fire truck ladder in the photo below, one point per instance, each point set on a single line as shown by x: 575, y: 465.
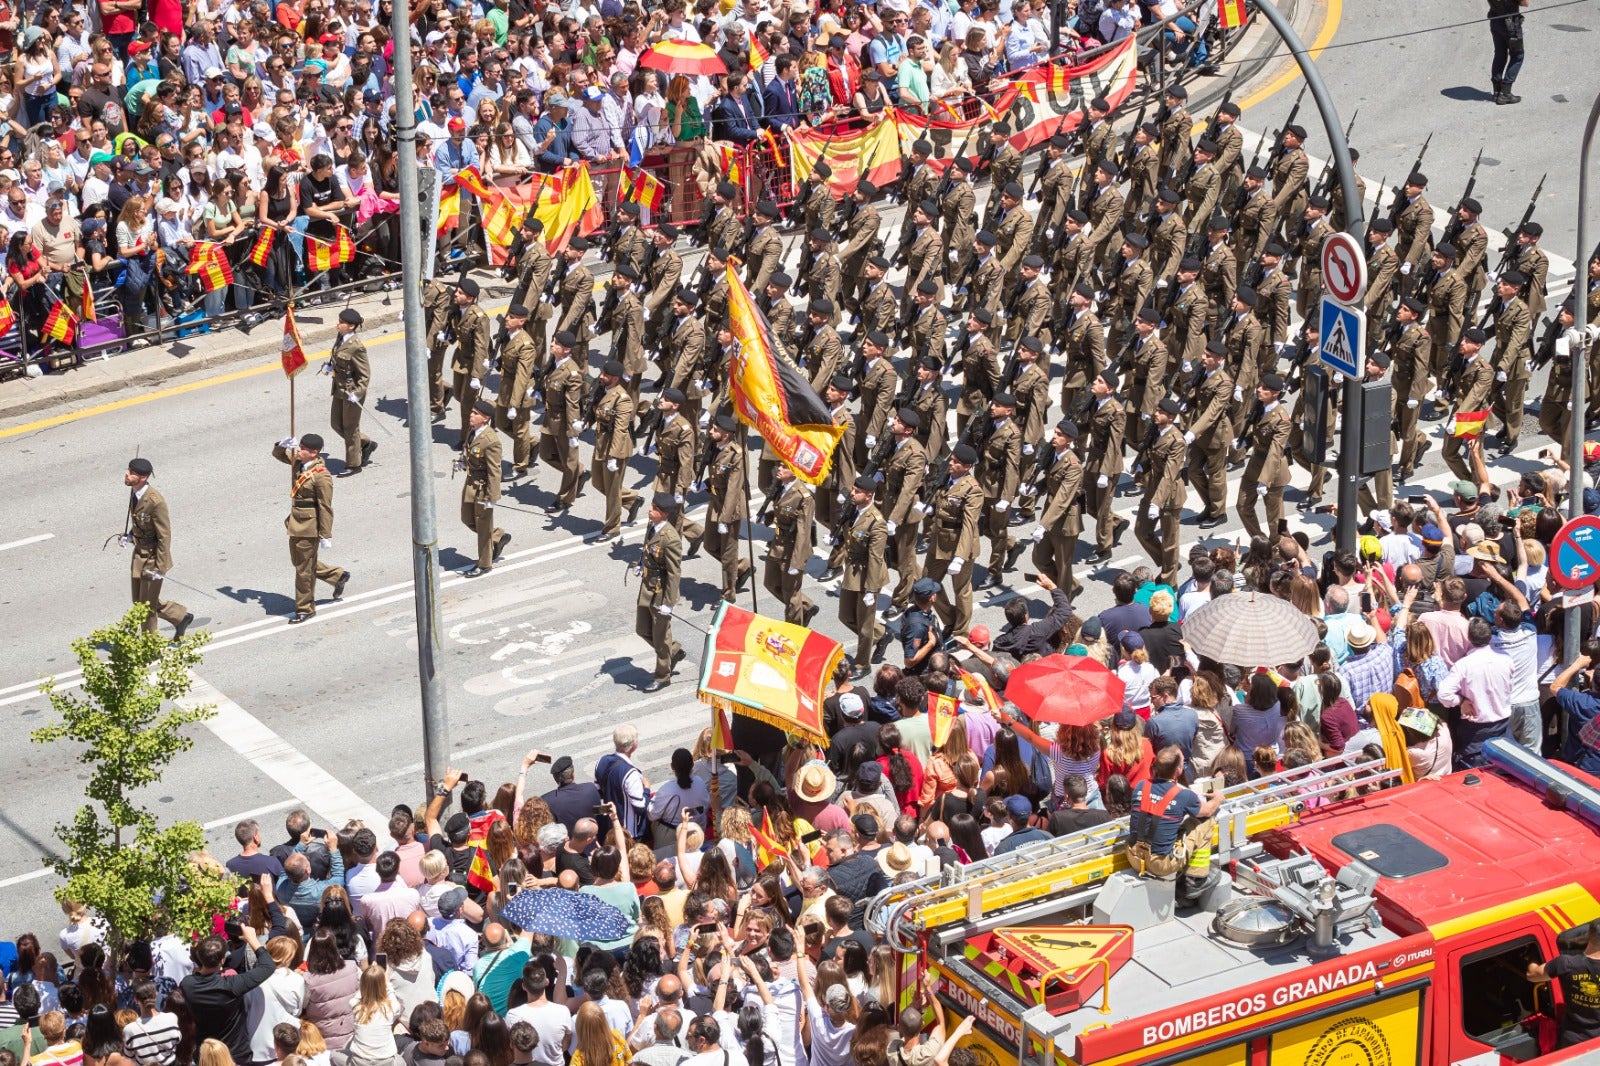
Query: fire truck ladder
x: 1041, y: 872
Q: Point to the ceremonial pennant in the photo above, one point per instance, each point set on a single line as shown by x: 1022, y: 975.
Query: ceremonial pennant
x: 294, y: 355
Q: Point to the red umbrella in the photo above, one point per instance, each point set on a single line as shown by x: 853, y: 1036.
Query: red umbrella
x: 682, y: 57
x: 1066, y: 689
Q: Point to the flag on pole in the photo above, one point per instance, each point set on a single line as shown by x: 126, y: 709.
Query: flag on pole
x: 61, y: 324
x: 758, y: 52
x: 261, y: 251
x: 768, y: 850
x: 1469, y: 424
x: 294, y: 355
x: 209, y: 263
x: 86, y: 304
x: 772, y: 143
x: 468, y: 178
x: 449, y: 211
x: 721, y: 729
x: 7, y: 317
x: 1230, y: 13
x: 344, y: 247
x: 500, y: 221
x: 640, y: 188
x: 943, y: 712
x: 979, y: 686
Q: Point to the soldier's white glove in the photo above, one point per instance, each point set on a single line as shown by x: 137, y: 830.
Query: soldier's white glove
x: 647, y: 314
x: 1161, y: 284
x: 793, y: 571
x: 722, y: 529
x: 1494, y: 277
x: 475, y: 384
x: 665, y: 610
x: 326, y: 542
x: 288, y: 444
x: 577, y: 430
x: 572, y: 442
x: 890, y: 527
x: 1261, y: 488
x: 919, y: 508
x: 154, y: 575
x: 1038, y: 533
x: 677, y: 498
x: 1188, y: 367
x: 439, y: 338
x: 705, y: 418
x: 1002, y: 505
x: 1027, y: 449
x: 124, y: 540
x: 956, y: 564
x: 352, y: 397
x: 611, y: 465
x: 872, y: 442
x: 1102, y: 481
x: 511, y: 412
x: 954, y: 255
x: 1338, y: 378
x: 1188, y: 437
x: 1153, y: 512
x: 528, y: 393
x: 1412, y: 404
x: 1238, y: 393
x: 1405, y: 269
x: 1500, y: 375
x: 1528, y: 365
x: 869, y: 600
x: 698, y: 486
x: 485, y: 504
x: 1030, y: 489
x: 839, y: 496
x: 1280, y: 347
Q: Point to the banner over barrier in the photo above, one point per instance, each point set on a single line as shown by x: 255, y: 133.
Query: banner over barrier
x: 567, y: 206
x: 1032, y: 107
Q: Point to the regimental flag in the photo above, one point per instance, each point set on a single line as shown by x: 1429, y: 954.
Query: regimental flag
x: 773, y: 397
x: 979, y: 686
x: 943, y: 713
x: 449, y: 211
x: 1469, y: 424
x: 61, y: 324
x: 768, y: 850
x: 7, y: 317
x: 294, y: 354
x: 209, y: 263
x: 642, y: 189
x: 758, y: 52
x: 468, y: 178
x: 261, y: 251
x: 479, y: 874
x: 1230, y: 13
x: 768, y: 669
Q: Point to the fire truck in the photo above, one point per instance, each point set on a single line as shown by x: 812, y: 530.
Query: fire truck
x: 1364, y: 919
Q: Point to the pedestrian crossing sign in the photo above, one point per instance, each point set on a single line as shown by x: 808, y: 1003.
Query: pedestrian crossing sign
x: 1344, y: 336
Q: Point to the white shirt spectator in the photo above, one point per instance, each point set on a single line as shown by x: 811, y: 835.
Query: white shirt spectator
x: 1117, y: 23
x: 280, y: 998
x: 553, y: 1023
x: 1400, y: 548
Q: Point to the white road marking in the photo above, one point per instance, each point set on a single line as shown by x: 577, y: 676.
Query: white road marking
x: 275, y: 757
x: 25, y: 541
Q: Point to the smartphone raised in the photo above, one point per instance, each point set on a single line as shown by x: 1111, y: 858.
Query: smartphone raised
x: 541, y: 757
x: 728, y: 758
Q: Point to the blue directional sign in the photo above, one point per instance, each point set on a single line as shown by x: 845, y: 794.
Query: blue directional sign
x: 1344, y: 336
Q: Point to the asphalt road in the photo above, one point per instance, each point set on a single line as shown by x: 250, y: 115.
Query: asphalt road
x: 541, y: 651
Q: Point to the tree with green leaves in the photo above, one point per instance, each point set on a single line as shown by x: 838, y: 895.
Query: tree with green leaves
x: 128, y: 724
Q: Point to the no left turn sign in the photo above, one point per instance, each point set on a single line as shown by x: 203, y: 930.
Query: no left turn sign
x: 1344, y: 268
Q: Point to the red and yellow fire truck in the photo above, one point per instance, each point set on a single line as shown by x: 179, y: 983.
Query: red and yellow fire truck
x: 1366, y: 920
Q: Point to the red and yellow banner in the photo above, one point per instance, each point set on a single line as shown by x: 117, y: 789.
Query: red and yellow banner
x: 261, y: 251
x: 1230, y: 13
x: 640, y: 188
x: 8, y: 318
x: 772, y: 396
x: 565, y: 203
x: 768, y: 669
x: 979, y: 686
x: 60, y: 324
x: 872, y: 153
x: 294, y: 353
x: 449, y: 211
x: 209, y: 263
x: 943, y: 713
x: 1469, y: 423
x: 324, y: 255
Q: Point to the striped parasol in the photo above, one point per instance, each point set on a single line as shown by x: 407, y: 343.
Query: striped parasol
x: 1250, y: 629
x: 682, y: 57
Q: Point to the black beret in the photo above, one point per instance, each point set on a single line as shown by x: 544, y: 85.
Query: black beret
x: 1273, y: 248
x: 612, y: 367
x: 482, y: 407
x: 1109, y: 167
x: 1380, y: 358
x: 866, y: 188
x: 312, y: 442
x: 578, y: 244
x: 928, y: 207
x: 350, y: 317
x: 1258, y: 172
x: 1216, y: 349
x: 1207, y: 145
x: 964, y: 164
x: 1013, y: 189
x: 1078, y: 215
x: 922, y: 147
x: 780, y: 279
x: 820, y: 234
x: 1084, y: 289
x: 1189, y: 265
x: 629, y: 208
x: 1149, y: 314
x: 928, y: 287
x: 1059, y: 143
x: 470, y: 287
x: 668, y: 230
x: 1168, y: 195
x: 767, y: 209
x: 1219, y: 221
x: 727, y: 190
x: 1469, y: 204
x: 727, y: 423
x: 566, y: 339
x: 1298, y: 130
x: 1136, y: 240
x: 1246, y: 295
x: 687, y: 295
x: 1150, y: 129
x: 987, y: 239
x: 664, y: 502
x: 929, y: 362
x: 1169, y: 406
x: 1381, y: 225
x: 842, y: 382
x: 628, y: 270
x: 1446, y: 249
x: 140, y: 467
x: 865, y: 483
x: 1004, y: 399
x: 878, y: 338
x: 1272, y: 382
x: 880, y: 262
x: 1514, y: 277
x: 822, y: 169
x: 821, y: 306
x: 1032, y: 344
x: 672, y: 395
x: 1417, y: 178
x: 719, y: 252
x: 983, y: 315
x: 1100, y: 103
x: 1177, y: 91
x: 1033, y: 262
x: 1228, y: 107
x: 1532, y: 229
x: 1318, y: 201
x: 1067, y: 427
x: 1109, y: 376
x: 1415, y: 306
x: 909, y: 418
x: 964, y: 454
x: 1475, y: 335
x: 514, y: 311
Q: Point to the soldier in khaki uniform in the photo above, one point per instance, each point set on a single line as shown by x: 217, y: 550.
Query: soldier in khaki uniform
x: 1204, y: 187
x: 953, y: 539
x: 149, y: 530
x: 931, y: 406
x: 1176, y: 129
x: 1414, y: 229
x: 1256, y: 220
x: 677, y: 452
x: 564, y: 389
x: 534, y: 267
x: 1534, y: 265
x: 815, y: 199
x: 1383, y: 268
x: 1209, y: 434
x: 920, y: 184
x: 1290, y: 175
x: 1097, y: 142
x: 726, y: 480
x: 764, y: 254
x: 1060, y: 482
x: 999, y: 471
x: 631, y: 245
x: 820, y: 274
x: 1147, y: 366
x: 1004, y: 163
x: 576, y: 294
x: 659, y: 569
x: 480, y: 459
x: 1073, y: 256
x: 1142, y: 168
x: 471, y: 359
x: 1266, y: 472
x: 663, y: 273
x: 1105, y: 209
x: 1513, y: 348
x: 724, y: 230
x: 626, y: 326
x: 985, y: 285
x: 1187, y: 321
x: 1161, y: 477
x: 1014, y: 228
x: 1555, y: 407
x: 1032, y: 305
x: 879, y: 308
x: 979, y: 368
x: 1107, y: 425
x: 824, y: 354
x: 957, y: 210
x: 613, y: 444
x: 879, y: 385
x: 859, y: 243
x: 1272, y: 296
x: 831, y: 495
x: 1471, y: 389
x: 513, y: 407
x: 1128, y: 283
x: 440, y: 313
x: 902, y: 477
x: 1055, y: 188
x: 1306, y: 245
x: 787, y: 555
x: 927, y: 340
x: 351, y: 373
x: 1446, y: 293
x: 1219, y: 270
x: 865, y: 575
x: 310, y: 523
x: 1083, y: 347
x: 924, y: 256
x: 684, y: 354
x: 1377, y: 493
x: 1246, y: 339
x: 1472, y: 246
x: 1412, y: 383
x: 1168, y: 238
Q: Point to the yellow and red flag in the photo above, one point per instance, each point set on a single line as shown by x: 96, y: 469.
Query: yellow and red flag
x: 979, y: 686
x: 772, y: 143
x: 61, y: 324
x: 566, y: 205
x: 640, y: 188
x: 479, y: 874
x: 1230, y: 13
x: 500, y: 221
x: 470, y: 179
x: 344, y: 247
x: 261, y: 251
x: 1469, y: 424
x: 86, y: 312
x: 773, y: 397
x: 768, y: 669
x: 7, y: 317
x: 209, y: 263
x: 721, y: 729
x: 758, y: 52
x: 768, y: 850
x: 294, y: 354
x: 943, y: 712
x: 449, y: 211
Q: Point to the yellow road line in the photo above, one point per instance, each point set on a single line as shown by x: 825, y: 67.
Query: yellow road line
x: 1291, y: 73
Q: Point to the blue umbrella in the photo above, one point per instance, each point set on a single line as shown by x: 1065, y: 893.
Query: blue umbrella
x: 564, y: 913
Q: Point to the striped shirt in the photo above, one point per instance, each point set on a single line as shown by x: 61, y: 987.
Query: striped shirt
x: 152, y: 1041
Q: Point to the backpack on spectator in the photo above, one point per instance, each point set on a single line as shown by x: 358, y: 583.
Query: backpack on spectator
x: 1407, y: 692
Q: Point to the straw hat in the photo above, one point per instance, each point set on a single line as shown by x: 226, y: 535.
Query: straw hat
x: 815, y: 783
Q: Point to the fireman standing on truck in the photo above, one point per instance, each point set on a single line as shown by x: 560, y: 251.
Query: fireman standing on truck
x: 1580, y: 987
x: 1169, y: 829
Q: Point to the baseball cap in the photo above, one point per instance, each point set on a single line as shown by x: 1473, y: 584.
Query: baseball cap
x: 851, y: 705
x: 1432, y: 535
x: 1464, y: 489
x: 1019, y: 807
x: 979, y: 635
x: 593, y: 92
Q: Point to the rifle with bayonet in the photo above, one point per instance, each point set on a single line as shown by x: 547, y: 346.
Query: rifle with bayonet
x: 1546, y: 353
x: 1038, y: 175
x: 880, y: 453
x: 1242, y: 197
x: 1453, y: 228
x: 1277, y: 138
x: 1509, y: 250
x: 949, y: 177
x: 1399, y: 203
x: 1126, y: 154
x: 1213, y: 126
x: 1326, y: 179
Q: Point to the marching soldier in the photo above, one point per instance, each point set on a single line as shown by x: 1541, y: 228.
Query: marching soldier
x: 927, y: 334
x: 1219, y: 270
x: 1302, y: 438
x: 1447, y: 301
x: 1512, y: 348
x: 1209, y: 434
x: 1175, y: 130
x: 785, y: 568
x: 1290, y: 174
x: 1129, y: 282
x: 1105, y: 209
x: 724, y: 230
x: 1143, y: 167
x: 627, y: 329
x: 310, y: 523
x: 1005, y: 165
x: 1266, y: 472
x: 985, y: 285
x: 821, y: 279
x: 1073, y: 254
x: 865, y: 575
x: 662, y: 276
x: 1107, y: 423
x: 1383, y: 267
x: 713, y: 291
x: 1471, y: 386
x: 903, y: 475
x: 1555, y: 409
x: 1306, y: 246
x: 659, y: 570
x: 1187, y: 327
x: 1414, y: 228
x: 953, y: 539
x: 859, y: 245
x: 534, y: 267
x: 1256, y: 219
x: 1097, y: 143
x: 824, y: 353
x: 1534, y: 265
x: 149, y: 530
x: 631, y: 245
x: 1247, y: 345
x: 676, y: 452
x: 879, y: 383
x: 920, y: 185
x: 440, y: 312
x: 924, y: 255
x: 816, y: 201
x: 931, y: 406
x: 957, y: 211
x: 1336, y: 211
x: 1230, y: 149
x: 480, y: 459
x: 878, y: 310
x: 726, y: 480
x: 831, y: 497
x: 980, y: 370
x: 1472, y: 245
x: 999, y: 470
x: 1055, y: 187
x: 1168, y: 238
x: 1161, y: 475
x: 764, y: 254
x: 564, y: 389
x: 1202, y: 192
x: 1083, y: 344
x: 513, y: 407
x: 1060, y: 482
x: 1412, y: 384
x: 683, y: 354
x: 471, y: 359
x: 774, y: 303
x: 1272, y: 296
x: 1147, y: 370
x: 576, y: 296
x: 1032, y: 306
x: 1031, y: 387
x: 351, y: 372
x: 1013, y: 228
x: 613, y: 444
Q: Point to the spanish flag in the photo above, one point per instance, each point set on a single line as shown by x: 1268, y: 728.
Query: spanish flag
x: 7, y: 318
x: 1469, y: 424
x: 479, y: 875
x: 86, y: 312
x: 500, y: 221
x: 261, y: 251
x: 772, y: 144
x: 979, y: 686
x: 1230, y: 13
x: 208, y: 262
x: 773, y: 397
x: 768, y: 850
x: 758, y: 52
x: 449, y: 211
x: 567, y: 206
x: 640, y: 188
x: 344, y: 247
x: 468, y: 178
x: 293, y: 354
x: 61, y: 324
x: 327, y: 255
x: 769, y: 670
x: 721, y: 729
x: 943, y: 712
